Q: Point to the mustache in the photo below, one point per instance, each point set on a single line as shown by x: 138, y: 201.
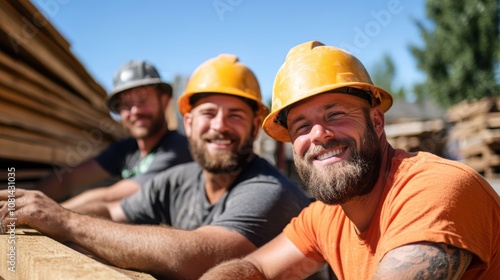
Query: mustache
x: 140, y: 116
x: 332, y: 143
x: 218, y: 135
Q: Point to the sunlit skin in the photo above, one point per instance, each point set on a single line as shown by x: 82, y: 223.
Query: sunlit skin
x: 338, y: 158
x: 319, y: 119
x: 142, y: 112
x: 313, y: 123
x: 220, y: 125
x: 315, y: 126
x: 221, y: 130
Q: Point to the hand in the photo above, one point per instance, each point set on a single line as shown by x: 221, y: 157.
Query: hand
x: 34, y: 209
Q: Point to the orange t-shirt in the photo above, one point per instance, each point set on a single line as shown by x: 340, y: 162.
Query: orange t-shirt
x: 426, y: 198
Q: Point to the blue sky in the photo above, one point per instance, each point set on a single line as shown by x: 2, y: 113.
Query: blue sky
x: 178, y: 35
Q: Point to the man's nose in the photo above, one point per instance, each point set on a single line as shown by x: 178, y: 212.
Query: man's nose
x: 320, y: 134
x: 219, y: 122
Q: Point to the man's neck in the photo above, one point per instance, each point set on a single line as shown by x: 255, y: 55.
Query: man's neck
x: 147, y: 144
x: 361, y: 210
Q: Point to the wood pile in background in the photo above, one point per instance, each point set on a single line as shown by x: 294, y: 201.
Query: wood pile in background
x: 476, y: 134
x: 52, y: 112
x: 41, y: 257
x: 418, y: 135
x: 416, y: 126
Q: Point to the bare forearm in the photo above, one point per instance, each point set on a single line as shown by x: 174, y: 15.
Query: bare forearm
x: 157, y: 250
x: 98, y: 209
x: 235, y: 269
x: 96, y: 201
x: 78, y: 202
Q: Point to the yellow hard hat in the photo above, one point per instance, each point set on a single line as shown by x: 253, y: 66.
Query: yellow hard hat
x: 313, y: 68
x: 223, y: 74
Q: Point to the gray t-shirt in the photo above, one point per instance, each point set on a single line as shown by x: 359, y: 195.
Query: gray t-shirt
x: 259, y: 204
x: 123, y: 158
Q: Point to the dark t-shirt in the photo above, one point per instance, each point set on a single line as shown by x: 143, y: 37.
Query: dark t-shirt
x: 258, y: 205
x: 123, y: 158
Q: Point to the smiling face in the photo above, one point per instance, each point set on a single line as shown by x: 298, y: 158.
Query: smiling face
x: 221, y: 130
x: 142, y: 111
x: 336, y: 145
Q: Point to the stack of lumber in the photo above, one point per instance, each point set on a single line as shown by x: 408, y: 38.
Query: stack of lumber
x: 52, y: 112
x: 416, y: 126
x: 36, y: 256
x: 418, y: 135
x: 476, y: 134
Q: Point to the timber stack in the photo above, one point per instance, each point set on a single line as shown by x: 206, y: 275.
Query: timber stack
x: 418, y: 126
x: 476, y: 134
x: 52, y: 112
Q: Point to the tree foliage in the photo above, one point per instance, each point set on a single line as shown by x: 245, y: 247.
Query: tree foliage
x: 384, y: 75
x: 461, y: 51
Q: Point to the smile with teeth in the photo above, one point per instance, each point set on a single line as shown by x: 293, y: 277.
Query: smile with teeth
x: 221, y: 141
x: 330, y: 154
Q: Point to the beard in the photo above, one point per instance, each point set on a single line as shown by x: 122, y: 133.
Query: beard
x: 156, y: 126
x: 342, y: 181
x: 222, y: 161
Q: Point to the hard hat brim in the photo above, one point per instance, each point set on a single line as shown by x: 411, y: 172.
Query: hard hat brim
x: 184, y: 105
x: 113, y: 95
x: 383, y: 101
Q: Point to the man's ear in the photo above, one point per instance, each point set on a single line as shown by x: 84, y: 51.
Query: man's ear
x: 378, y: 120
x: 257, y: 122
x: 187, y: 120
x: 164, y: 100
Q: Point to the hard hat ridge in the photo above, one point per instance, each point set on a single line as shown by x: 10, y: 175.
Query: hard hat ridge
x: 312, y: 68
x: 223, y: 74
x: 135, y: 73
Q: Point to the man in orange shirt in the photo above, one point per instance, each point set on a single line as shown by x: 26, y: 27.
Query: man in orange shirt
x: 382, y: 213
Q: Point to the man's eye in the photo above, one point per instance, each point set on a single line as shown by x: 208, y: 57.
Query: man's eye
x: 207, y: 114
x: 236, y: 116
x: 334, y: 115
x: 301, y: 128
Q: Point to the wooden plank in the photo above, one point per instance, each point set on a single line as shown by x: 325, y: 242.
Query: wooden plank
x: 23, y: 71
x: 37, y: 256
x: 467, y: 109
x: 48, y: 107
x: 23, y: 135
x: 17, y: 116
x: 49, y: 92
x: 475, y: 125
x: 52, y: 111
x: 491, y: 136
x: 413, y: 128
x: 45, y: 51
x: 26, y: 9
x: 490, y: 120
x: 60, y: 112
x: 31, y: 150
x: 482, y: 164
x: 17, y: 150
x: 24, y: 174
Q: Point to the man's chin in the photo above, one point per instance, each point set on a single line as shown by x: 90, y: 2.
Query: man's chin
x: 139, y: 133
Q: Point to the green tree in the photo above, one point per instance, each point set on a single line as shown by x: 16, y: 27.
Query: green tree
x: 384, y: 75
x: 461, y: 51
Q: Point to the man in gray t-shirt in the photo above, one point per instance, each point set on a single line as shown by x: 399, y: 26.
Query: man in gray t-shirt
x: 258, y: 204
x: 223, y: 206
